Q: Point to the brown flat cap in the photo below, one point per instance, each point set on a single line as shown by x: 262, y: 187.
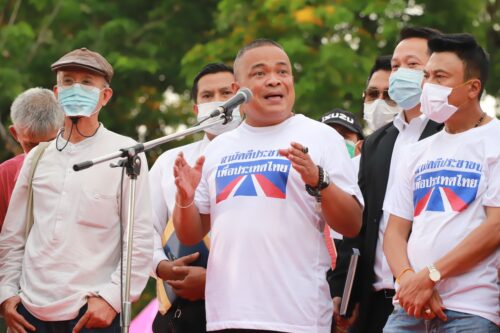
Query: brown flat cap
x: 87, y: 60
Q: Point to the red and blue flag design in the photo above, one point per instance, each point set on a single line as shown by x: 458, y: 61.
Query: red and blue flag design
x: 267, y: 177
x: 444, y: 190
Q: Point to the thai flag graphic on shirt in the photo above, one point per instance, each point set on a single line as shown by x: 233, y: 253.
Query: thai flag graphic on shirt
x: 266, y: 177
x: 444, y: 190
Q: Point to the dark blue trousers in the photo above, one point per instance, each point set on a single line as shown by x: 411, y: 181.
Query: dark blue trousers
x: 66, y: 326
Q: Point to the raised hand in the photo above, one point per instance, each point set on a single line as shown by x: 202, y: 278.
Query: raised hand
x: 187, y: 179
x: 302, y: 163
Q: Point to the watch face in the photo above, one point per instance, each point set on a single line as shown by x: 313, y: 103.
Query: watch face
x: 435, y: 276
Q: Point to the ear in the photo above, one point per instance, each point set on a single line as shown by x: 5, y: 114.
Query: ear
x: 474, y: 89
x: 359, y: 145
x: 235, y: 87
x: 13, y: 132
x: 107, y: 93
x: 195, y: 109
x: 54, y: 89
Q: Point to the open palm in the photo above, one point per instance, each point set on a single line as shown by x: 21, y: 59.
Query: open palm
x: 187, y: 178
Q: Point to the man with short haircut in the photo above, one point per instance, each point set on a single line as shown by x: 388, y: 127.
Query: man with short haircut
x: 374, y: 286
x: 443, y: 239
x: 36, y: 117
x: 266, y: 206
x: 211, y: 87
x: 66, y: 275
x: 378, y: 107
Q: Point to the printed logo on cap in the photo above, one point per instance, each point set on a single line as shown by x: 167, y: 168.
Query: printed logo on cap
x: 338, y: 115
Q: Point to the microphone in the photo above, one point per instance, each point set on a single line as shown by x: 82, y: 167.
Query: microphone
x: 243, y: 95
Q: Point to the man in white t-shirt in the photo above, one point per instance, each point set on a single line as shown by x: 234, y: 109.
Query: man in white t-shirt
x: 211, y: 86
x: 448, y: 196
x: 268, y: 259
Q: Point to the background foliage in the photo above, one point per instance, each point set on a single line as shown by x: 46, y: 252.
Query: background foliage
x: 156, y: 48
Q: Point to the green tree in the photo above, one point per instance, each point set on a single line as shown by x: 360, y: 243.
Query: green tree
x: 144, y: 41
x: 333, y: 44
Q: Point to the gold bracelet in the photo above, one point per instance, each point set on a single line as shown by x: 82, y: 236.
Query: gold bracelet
x: 183, y: 207
x: 407, y: 269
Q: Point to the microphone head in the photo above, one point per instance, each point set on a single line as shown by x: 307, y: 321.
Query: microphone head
x: 247, y: 93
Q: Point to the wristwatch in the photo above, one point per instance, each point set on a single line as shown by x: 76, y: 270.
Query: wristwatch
x: 434, y: 274
x: 323, y: 182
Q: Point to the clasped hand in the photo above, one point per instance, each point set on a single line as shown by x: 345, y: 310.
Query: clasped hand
x: 418, y: 297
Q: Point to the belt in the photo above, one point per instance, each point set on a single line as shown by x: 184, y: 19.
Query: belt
x: 387, y: 293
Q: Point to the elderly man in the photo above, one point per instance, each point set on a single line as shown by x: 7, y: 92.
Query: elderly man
x: 65, y: 276
x: 266, y: 205
x: 36, y: 117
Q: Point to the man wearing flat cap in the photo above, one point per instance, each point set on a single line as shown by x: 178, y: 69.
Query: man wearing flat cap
x: 63, y: 274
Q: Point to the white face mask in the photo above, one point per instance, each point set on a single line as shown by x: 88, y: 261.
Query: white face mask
x: 434, y: 102
x: 378, y: 113
x: 205, y: 109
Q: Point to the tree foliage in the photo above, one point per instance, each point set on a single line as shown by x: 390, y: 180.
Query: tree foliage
x: 143, y: 40
x: 160, y: 45
x: 333, y: 44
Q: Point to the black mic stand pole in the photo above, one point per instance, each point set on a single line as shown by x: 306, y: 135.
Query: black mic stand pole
x: 132, y: 165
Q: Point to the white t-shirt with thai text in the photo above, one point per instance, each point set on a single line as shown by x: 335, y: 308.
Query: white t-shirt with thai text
x: 443, y: 185
x: 268, y: 260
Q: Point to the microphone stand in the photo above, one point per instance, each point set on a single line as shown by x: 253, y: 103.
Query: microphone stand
x: 132, y: 165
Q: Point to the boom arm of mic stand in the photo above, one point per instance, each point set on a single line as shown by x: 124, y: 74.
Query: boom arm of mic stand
x: 143, y: 147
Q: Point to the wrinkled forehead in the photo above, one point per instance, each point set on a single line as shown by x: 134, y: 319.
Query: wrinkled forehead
x: 79, y: 74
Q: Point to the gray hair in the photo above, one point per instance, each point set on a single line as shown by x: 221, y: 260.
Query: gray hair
x: 37, y: 111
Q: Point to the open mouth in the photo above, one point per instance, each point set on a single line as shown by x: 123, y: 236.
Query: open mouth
x: 274, y: 97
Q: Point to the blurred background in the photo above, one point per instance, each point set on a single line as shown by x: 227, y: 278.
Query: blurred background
x: 157, y: 46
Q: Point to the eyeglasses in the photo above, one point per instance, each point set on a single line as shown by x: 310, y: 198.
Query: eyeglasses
x: 372, y: 94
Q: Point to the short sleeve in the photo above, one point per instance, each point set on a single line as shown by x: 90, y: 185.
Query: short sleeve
x: 398, y: 199
x: 491, y: 197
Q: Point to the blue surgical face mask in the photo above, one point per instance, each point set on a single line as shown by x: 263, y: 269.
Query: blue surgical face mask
x: 405, y: 87
x: 78, y: 100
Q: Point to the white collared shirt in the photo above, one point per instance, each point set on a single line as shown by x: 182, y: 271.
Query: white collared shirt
x: 73, y: 249
x: 163, y: 190
x: 408, y: 133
